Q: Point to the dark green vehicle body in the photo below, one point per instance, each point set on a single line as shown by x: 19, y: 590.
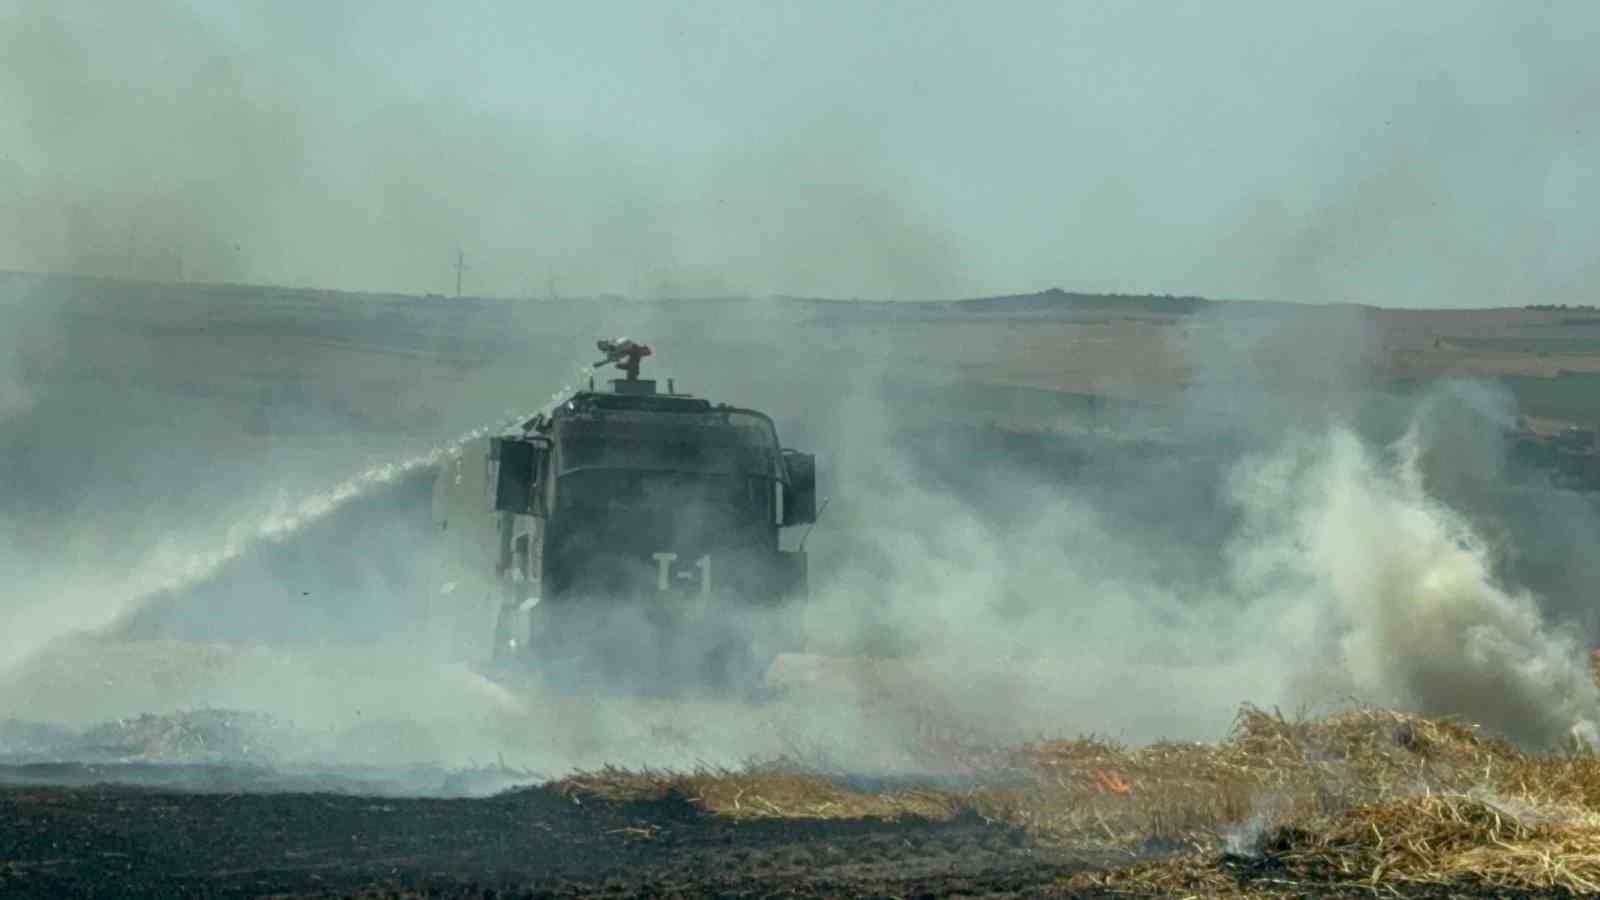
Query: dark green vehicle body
x: 640, y: 538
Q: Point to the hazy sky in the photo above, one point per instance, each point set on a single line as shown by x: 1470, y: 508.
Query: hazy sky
x: 1412, y: 154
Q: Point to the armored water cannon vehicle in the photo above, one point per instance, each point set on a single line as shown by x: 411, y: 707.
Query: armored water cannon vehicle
x: 638, y: 533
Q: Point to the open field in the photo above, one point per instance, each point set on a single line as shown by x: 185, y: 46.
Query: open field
x: 1364, y: 800
x: 213, y: 493
x: 799, y: 450
x: 263, y: 348
x: 533, y: 843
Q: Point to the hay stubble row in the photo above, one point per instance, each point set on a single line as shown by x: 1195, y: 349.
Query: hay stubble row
x: 1364, y: 798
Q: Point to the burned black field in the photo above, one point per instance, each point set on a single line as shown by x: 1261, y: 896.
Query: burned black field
x: 538, y: 842
x: 1367, y: 800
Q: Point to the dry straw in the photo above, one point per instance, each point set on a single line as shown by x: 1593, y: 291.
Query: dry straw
x: 771, y: 791
x: 1364, y: 797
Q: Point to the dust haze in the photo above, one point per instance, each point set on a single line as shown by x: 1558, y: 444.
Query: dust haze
x: 254, y: 144
x: 1354, y: 153
x: 215, y: 495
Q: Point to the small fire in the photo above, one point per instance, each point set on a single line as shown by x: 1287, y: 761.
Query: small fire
x: 1112, y: 782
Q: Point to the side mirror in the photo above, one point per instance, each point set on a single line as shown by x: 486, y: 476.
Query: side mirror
x: 800, y: 494
x: 518, y: 465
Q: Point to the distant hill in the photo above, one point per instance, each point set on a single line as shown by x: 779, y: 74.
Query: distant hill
x: 1052, y: 303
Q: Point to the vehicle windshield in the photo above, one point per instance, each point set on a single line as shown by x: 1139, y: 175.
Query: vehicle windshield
x: 712, y: 500
x: 731, y: 443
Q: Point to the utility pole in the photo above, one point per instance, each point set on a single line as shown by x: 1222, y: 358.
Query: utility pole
x: 461, y: 266
x: 133, y: 243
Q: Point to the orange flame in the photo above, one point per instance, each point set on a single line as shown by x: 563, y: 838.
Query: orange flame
x: 1111, y: 782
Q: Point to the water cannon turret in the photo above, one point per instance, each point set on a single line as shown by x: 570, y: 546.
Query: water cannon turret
x: 626, y: 355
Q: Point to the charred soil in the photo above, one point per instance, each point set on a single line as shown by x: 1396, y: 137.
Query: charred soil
x: 537, y: 842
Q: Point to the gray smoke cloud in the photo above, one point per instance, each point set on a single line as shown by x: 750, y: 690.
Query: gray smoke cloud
x: 1301, y: 538
x: 1292, y: 535
x: 176, y: 143
x: 200, y: 479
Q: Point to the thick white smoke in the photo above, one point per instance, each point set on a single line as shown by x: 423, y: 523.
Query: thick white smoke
x: 1341, y: 579
x: 1009, y: 603
x: 1384, y: 593
x: 160, y: 443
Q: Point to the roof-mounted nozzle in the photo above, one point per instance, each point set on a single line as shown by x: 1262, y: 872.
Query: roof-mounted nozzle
x: 625, y: 354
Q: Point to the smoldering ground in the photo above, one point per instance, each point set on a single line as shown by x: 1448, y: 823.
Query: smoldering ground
x: 1297, y: 542
x: 1283, y: 533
